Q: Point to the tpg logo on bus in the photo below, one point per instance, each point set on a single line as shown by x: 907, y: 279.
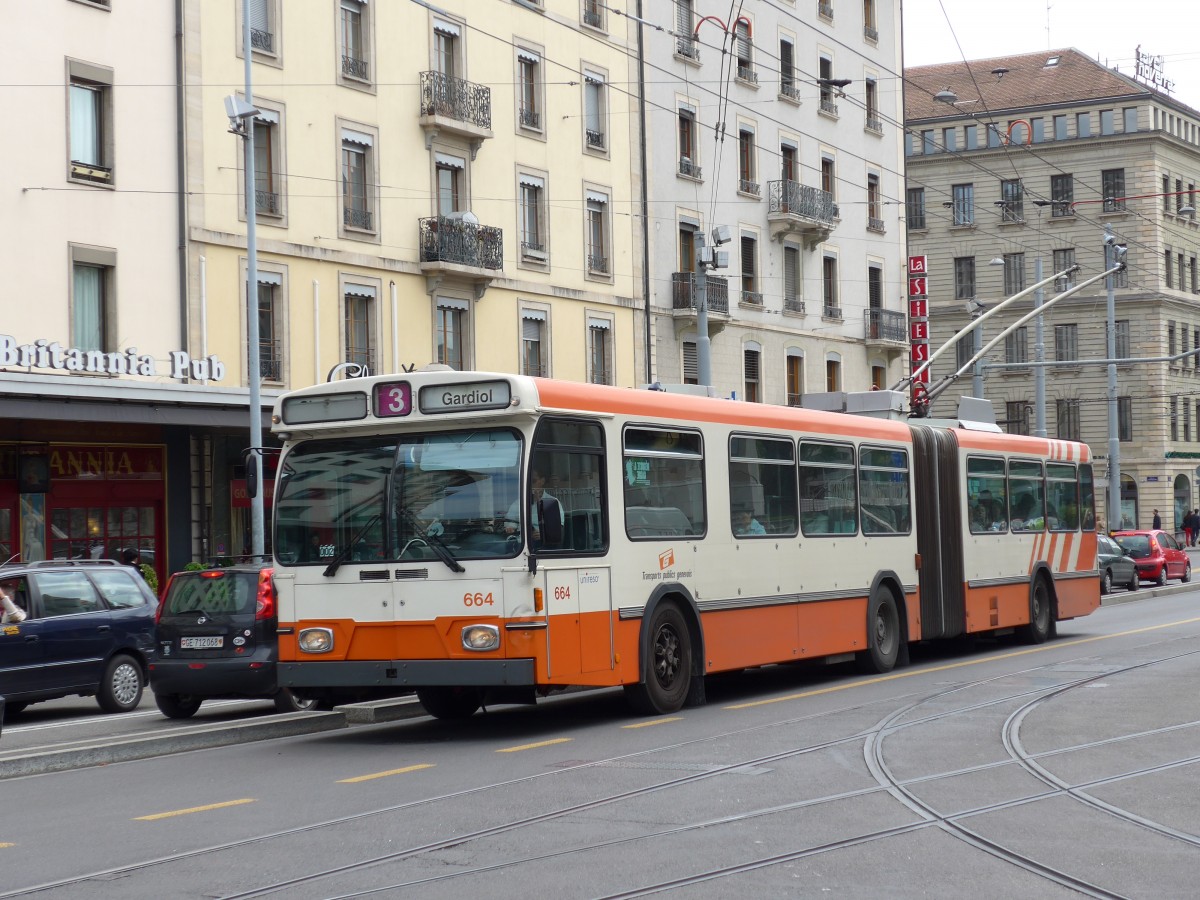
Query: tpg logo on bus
x: 465, y: 397
x: 666, y: 559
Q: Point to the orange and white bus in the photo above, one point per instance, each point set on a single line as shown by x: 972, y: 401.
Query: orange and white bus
x: 490, y: 538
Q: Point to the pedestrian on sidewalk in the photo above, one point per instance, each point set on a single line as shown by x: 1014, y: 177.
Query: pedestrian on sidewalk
x: 1156, y: 523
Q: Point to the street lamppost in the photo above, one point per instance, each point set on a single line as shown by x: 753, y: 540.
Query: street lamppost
x: 707, y: 258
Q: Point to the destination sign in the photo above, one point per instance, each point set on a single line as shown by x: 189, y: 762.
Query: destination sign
x: 468, y: 396
x: 393, y: 398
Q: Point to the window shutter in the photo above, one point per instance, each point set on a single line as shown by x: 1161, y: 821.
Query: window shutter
x: 683, y: 18
x: 875, y: 287
x: 742, y: 34
x: 786, y: 65
x: 691, y: 362
x: 260, y: 19
x: 531, y: 329
x: 748, y: 257
x: 791, y: 257
x: 752, y: 364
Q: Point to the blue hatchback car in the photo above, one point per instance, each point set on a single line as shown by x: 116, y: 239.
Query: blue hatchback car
x: 88, y: 630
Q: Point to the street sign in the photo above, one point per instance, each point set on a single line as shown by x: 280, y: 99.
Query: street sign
x: 917, y: 265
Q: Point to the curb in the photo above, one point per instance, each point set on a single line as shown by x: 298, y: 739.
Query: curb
x: 41, y: 761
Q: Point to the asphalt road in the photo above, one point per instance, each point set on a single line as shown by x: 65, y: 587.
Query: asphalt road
x: 1045, y: 771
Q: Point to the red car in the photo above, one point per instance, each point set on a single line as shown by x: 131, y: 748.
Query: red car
x: 1157, y: 555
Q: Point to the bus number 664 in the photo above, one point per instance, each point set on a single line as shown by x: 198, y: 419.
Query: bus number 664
x: 478, y: 599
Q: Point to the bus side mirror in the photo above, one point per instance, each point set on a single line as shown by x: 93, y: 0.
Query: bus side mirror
x: 550, y: 517
x: 251, y: 473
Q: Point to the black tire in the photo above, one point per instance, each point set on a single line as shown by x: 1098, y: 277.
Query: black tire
x: 1106, y: 582
x: 1135, y: 582
x: 1187, y: 574
x: 1038, y: 628
x: 1161, y: 580
x: 12, y: 709
x: 177, y: 706
x: 667, y: 666
x: 883, y: 634
x: 287, y: 702
x: 450, y: 702
x: 121, y: 687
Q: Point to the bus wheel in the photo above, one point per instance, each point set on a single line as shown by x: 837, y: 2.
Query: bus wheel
x: 450, y: 702
x: 1038, y: 628
x: 667, y: 667
x: 883, y: 634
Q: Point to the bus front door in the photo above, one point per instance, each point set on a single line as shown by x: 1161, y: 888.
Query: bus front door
x: 578, y: 621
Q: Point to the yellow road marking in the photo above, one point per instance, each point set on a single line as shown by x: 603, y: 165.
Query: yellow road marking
x: 359, y: 778
x: 654, y: 722
x: 7, y: 845
x: 959, y: 665
x: 194, y: 809
x: 535, y: 746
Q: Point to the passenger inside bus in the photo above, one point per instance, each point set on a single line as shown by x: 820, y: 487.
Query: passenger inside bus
x: 744, y: 522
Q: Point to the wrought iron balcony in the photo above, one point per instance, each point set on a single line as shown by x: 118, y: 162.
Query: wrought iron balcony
x: 530, y: 117
x: 745, y: 71
x: 455, y: 105
x: 689, y: 168
x: 885, y: 325
x: 595, y: 139
x: 355, y: 67
x: 593, y: 18
x: 793, y: 305
x: 267, y: 202
x: 270, y: 361
x: 789, y: 90
x: 86, y: 171
x: 533, y: 250
x: 683, y: 292
x: 597, y: 264
x: 687, y: 48
x: 794, y: 208
x: 828, y: 107
x: 452, y: 240
x: 357, y: 218
x: 825, y: 9
x: 874, y: 124
x: 753, y: 298
x: 831, y: 312
x: 746, y: 186
x: 871, y: 34
x: 875, y: 224
x: 262, y: 40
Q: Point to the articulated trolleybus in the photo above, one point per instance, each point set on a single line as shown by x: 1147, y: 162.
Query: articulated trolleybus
x: 483, y: 538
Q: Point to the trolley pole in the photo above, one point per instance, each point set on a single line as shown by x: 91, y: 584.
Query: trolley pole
x: 1114, y: 443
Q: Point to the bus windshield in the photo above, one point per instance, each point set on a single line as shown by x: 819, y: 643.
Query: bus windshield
x: 437, y: 495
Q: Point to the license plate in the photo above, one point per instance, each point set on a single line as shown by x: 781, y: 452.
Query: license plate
x: 201, y: 643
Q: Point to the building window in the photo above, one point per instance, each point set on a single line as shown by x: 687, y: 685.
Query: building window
x: 964, y: 349
x: 268, y: 194
x: 592, y: 14
x: 262, y: 27
x: 533, y: 216
x: 787, y: 70
x: 971, y: 137
x: 874, y: 292
x: 928, y: 144
x: 1060, y: 128
x: 795, y: 378
x: 993, y: 136
x: 1129, y: 114
x: 691, y: 363
x: 1016, y: 346
x: 874, y: 122
x: 874, y: 204
x: 751, y: 363
x: 1012, y: 201
x: 914, y: 207
x: 833, y: 372
x: 1083, y: 125
x: 359, y: 309
x: 597, y: 233
x: 964, y: 204
x: 1125, y: 419
x: 685, y: 22
x: 1014, y: 273
x: 1016, y: 415
x: 1066, y: 342
x: 870, y: 26
x: 529, y: 89
x: 750, y: 291
x: 1107, y: 125
x: 450, y: 338
x: 1067, y: 419
x: 689, y: 161
x: 829, y: 288
x: 89, y: 96
x: 687, y: 247
x: 1039, y: 130
x: 1171, y: 339
x: 828, y: 178
x: 1192, y: 269
x: 824, y: 76
x: 595, y: 111
x: 533, y: 336
x: 964, y: 277
x: 745, y: 52
x: 747, y: 183
x: 445, y: 48
x: 948, y: 139
x: 878, y: 378
x: 270, y: 331
x: 1167, y: 270
x: 91, y: 297
x: 1062, y: 195
x: 600, y: 355
x: 1112, y: 187
x: 1174, y: 417
x: 356, y: 64
x: 447, y: 172
x: 1121, y: 340
x: 356, y: 181
x: 792, y: 300
x: 1064, y: 259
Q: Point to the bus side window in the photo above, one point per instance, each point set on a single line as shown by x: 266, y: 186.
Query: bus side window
x: 570, y: 455
x: 664, y: 483
x: 828, y: 493
x: 762, y: 486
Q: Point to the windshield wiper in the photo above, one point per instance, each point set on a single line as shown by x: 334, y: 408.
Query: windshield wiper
x: 335, y: 563
x: 432, y: 541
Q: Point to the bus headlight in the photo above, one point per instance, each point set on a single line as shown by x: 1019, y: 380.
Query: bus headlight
x: 481, y: 637
x: 315, y: 640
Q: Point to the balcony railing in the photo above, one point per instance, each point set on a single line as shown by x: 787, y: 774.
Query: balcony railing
x: 597, y: 263
x: 831, y: 312
x: 1012, y: 211
x: 745, y: 71
x: 270, y: 361
x: 688, y: 168
x: 793, y: 305
x: 86, y: 171
x: 262, y: 40
x: 683, y: 292
x: 874, y: 224
x: 595, y: 139
x: 448, y: 239
x: 533, y: 250
x: 355, y: 67
x: 266, y: 202
x: 828, y: 107
x: 592, y: 17
x: 687, y: 48
x: 825, y: 9
x: 530, y: 118
x: 746, y: 186
x: 456, y: 98
x: 753, y: 298
x: 794, y: 199
x: 789, y: 90
x: 885, y: 325
x: 874, y: 124
x: 871, y: 34
x: 356, y: 218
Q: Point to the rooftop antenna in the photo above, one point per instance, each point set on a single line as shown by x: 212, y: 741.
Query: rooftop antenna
x: 1048, y: 45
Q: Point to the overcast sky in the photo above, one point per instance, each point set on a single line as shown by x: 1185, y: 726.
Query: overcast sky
x: 939, y: 31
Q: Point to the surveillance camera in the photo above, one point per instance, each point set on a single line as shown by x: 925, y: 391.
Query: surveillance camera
x: 237, y: 108
x: 1110, y: 239
x: 721, y: 235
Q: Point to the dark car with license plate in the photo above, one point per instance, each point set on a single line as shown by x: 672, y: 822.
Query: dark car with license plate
x: 1116, y: 565
x: 216, y: 637
x: 88, y: 629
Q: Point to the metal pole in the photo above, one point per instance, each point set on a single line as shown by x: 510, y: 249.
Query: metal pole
x: 703, y: 345
x: 1114, y: 443
x: 977, y: 374
x: 1039, y: 355
x: 253, y: 373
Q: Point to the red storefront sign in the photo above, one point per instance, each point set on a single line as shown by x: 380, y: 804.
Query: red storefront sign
x: 917, y: 265
x: 918, y: 286
x: 239, y: 498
